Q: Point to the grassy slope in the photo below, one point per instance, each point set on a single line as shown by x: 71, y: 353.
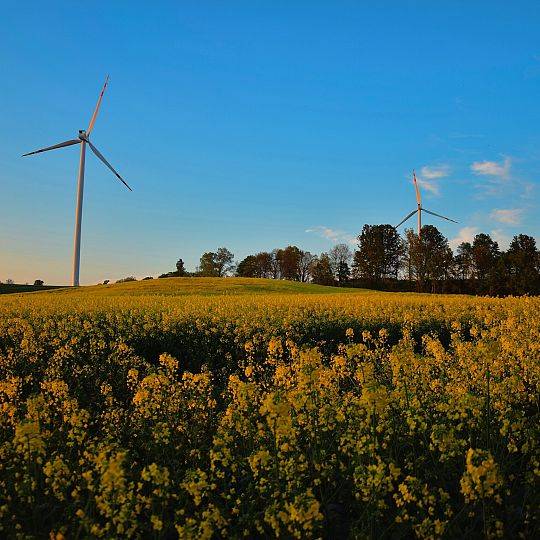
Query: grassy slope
x: 202, y: 286
x: 17, y: 288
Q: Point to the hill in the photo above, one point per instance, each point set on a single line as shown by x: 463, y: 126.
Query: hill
x: 181, y: 401
x: 14, y: 288
x: 202, y: 286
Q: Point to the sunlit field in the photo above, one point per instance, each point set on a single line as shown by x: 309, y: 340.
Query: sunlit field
x: 203, y: 286
x: 200, y: 408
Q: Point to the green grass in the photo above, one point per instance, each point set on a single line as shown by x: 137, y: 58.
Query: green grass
x: 18, y: 288
x: 203, y: 287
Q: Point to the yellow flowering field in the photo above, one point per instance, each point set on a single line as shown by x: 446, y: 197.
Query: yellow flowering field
x: 268, y: 414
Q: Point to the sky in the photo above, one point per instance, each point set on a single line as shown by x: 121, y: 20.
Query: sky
x: 255, y: 125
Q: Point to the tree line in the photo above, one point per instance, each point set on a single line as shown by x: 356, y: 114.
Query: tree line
x: 387, y: 261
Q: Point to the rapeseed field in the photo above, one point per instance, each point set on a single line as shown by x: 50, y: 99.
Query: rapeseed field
x: 269, y: 414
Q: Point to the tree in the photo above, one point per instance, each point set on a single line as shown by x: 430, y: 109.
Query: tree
x: 247, y: 267
x: 126, y: 279
x: 304, y: 265
x: 343, y: 273
x: 179, y: 272
x: 9, y: 281
x: 485, y: 252
x: 321, y: 270
x: 260, y: 265
x: 523, y: 260
x: 180, y: 269
x: 264, y: 264
x: 430, y: 256
x: 464, y: 262
x: 340, y: 257
x: 224, y: 261
x: 207, y: 264
x: 379, y: 252
x: 288, y: 263
x: 498, y: 281
x: 38, y: 283
x: 276, y: 263
x: 217, y: 264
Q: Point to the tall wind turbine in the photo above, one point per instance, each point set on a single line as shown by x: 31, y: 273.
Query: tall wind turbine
x: 83, y: 139
x: 420, y: 209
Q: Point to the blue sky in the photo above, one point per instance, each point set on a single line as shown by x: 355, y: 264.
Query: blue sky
x: 254, y: 125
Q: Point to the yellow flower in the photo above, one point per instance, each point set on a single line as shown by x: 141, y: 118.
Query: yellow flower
x: 481, y: 479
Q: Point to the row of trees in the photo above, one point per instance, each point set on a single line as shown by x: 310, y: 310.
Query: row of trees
x: 212, y: 264
x: 477, y: 267
x: 295, y: 264
x: 385, y: 260
x: 37, y: 282
x: 289, y: 263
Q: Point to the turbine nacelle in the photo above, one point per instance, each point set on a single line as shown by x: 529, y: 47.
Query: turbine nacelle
x: 420, y: 209
x: 82, y: 135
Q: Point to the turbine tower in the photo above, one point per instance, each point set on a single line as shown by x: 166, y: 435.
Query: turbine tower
x: 420, y: 209
x: 83, y: 139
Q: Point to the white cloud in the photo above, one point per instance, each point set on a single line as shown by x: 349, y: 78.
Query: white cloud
x: 492, y: 168
x: 333, y: 235
x: 511, y: 216
x: 466, y: 234
x: 439, y: 171
x: 430, y: 175
x: 432, y: 187
x: 501, y: 238
x: 325, y: 232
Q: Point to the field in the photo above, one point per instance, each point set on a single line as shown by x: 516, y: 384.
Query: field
x: 203, y: 286
x: 18, y: 288
x: 199, y: 408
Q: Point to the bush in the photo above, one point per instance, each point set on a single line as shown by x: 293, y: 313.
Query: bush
x: 126, y: 279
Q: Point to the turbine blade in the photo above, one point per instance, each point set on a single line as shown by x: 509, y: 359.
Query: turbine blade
x: 100, y: 156
x: 54, y: 147
x: 417, y: 189
x: 96, y: 110
x: 406, y: 218
x: 439, y: 215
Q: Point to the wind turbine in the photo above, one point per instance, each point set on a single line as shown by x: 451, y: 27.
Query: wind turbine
x: 83, y: 139
x: 420, y: 209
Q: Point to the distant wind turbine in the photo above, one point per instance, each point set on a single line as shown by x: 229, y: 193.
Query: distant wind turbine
x: 83, y: 139
x: 420, y: 209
